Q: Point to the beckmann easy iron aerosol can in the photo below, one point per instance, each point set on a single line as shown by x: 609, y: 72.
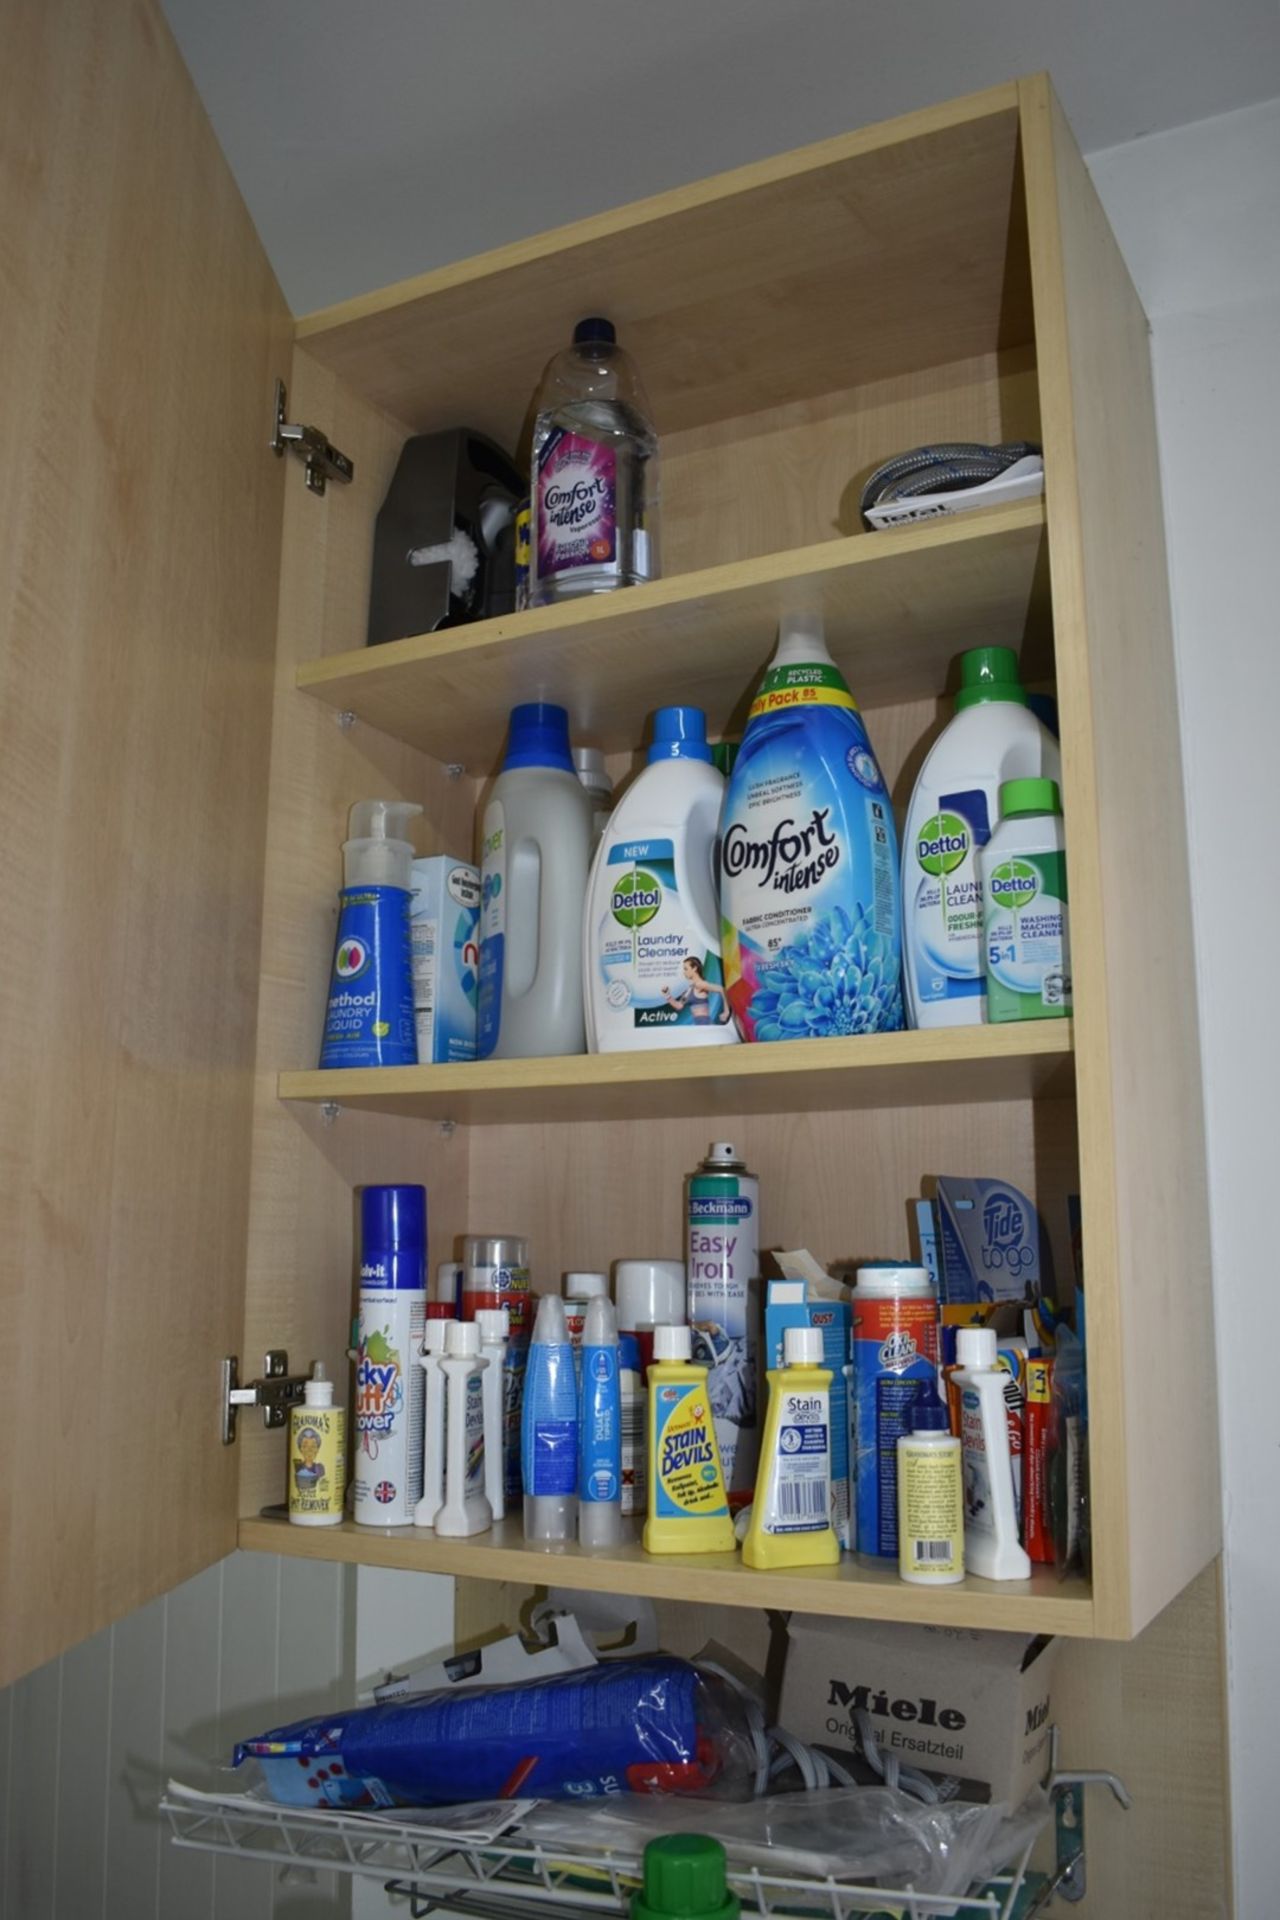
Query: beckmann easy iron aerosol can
x: 722, y: 1256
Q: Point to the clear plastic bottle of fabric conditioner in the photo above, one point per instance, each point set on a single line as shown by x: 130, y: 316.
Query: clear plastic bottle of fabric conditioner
x: 595, y: 472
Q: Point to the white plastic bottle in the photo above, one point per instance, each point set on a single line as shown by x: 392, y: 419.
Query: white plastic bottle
x: 594, y: 776
x: 317, y: 1428
x: 465, y: 1510
x: 1027, y: 919
x: 993, y: 737
x: 930, y: 1498
x: 535, y: 853
x: 579, y: 1290
x: 495, y: 1325
x: 594, y: 491
x: 991, y: 1545
x: 434, y: 1337
x: 651, y: 942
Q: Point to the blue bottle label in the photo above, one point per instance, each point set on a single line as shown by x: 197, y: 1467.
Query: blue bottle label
x: 600, y: 1457
x: 549, y: 1422
x: 809, y: 896
x: 369, y: 1021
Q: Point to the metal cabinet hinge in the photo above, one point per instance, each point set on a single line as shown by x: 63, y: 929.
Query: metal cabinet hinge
x: 322, y: 460
x: 275, y: 1393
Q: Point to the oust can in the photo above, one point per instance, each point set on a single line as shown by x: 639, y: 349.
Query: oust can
x: 894, y: 1360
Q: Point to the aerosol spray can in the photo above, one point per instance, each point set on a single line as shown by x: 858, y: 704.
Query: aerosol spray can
x: 722, y: 1245
x: 389, y: 1381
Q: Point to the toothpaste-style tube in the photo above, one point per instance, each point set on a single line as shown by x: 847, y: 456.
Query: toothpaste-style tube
x: 549, y: 1428
x: 600, y: 1428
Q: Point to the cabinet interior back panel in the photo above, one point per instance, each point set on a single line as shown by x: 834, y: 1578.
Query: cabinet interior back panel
x: 306, y: 1167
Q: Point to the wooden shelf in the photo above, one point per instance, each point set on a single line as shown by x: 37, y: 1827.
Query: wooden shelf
x: 877, y: 252
x: 898, y: 607
x: 853, y: 1590
x: 952, y: 1066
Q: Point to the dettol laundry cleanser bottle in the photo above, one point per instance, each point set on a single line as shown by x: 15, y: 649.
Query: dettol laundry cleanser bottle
x: 993, y: 737
x: 809, y: 857
x: 651, y: 946
x: 535, y: 854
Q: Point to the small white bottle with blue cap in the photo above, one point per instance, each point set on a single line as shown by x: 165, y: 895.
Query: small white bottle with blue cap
x: 651, y: 934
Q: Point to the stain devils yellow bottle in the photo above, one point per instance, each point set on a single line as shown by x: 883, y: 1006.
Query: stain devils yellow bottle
x: 688, y: 1510
x: 791, y: 1516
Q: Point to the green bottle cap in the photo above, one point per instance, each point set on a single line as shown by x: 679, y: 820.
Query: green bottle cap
x: 684, y: 1879
x: 1029, y: 796
x: 989, y: 673
x: 723, y: 755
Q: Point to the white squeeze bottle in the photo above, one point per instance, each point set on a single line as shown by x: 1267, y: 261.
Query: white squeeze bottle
x: 594, y: 491
x: 495, y: 1327
x: 994, y: 737
x: 465, y: 1509
x: 991, y: 1546
x: 651, y: 942
x: 535, y: 853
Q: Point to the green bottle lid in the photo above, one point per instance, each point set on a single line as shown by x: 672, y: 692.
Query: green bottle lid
x: 1029, y: 796
x: 723, y: 755
x: 684, y: 1879
x: 989, y: 673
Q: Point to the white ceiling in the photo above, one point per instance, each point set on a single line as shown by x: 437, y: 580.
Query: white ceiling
x: 375, y: 138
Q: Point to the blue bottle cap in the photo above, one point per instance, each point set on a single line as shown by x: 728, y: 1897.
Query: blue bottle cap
x: 928, y: 1415
x: 539, y: 737
x: 594, y: 328
x: 394, y: 1220
x: 679, y: 733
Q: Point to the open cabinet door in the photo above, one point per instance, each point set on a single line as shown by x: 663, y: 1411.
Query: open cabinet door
x: 140, y: 330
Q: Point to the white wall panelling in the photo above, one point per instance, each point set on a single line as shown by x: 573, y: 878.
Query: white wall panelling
x: 87, y: 1742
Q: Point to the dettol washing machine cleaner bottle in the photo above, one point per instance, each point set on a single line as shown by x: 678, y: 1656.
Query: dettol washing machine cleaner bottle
x: 809, y: 856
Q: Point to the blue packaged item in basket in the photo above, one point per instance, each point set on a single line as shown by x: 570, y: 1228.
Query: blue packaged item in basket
x: 648, y: 1725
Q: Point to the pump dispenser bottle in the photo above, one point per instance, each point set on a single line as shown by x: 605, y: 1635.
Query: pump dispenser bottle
x: 369, y: 1021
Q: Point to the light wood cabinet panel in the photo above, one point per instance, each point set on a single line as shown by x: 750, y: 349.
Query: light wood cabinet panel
x: 139, y: 551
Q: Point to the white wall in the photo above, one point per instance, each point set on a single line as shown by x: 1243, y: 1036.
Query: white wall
x: 88, y: 1741
x: 1197, y: 212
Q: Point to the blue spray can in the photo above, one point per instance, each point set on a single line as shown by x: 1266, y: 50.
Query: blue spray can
x: 369, y: 1019
x: 390, y: 1385
x: 600, y: 1428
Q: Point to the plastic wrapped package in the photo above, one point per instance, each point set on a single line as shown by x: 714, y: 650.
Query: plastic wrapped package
x: 653, y: 1725
x: 862, y: 1834
x: 1067, y: 1458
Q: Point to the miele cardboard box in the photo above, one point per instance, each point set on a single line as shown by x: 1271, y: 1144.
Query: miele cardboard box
x: 973, y: 1705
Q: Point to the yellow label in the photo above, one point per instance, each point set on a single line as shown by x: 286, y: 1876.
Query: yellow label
x: 930, y: 1511
x: 1039, y: 1382
x: 688, y: 1478
x: 317, y: 1486
x: 782, y: 699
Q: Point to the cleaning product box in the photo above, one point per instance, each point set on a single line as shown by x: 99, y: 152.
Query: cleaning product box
x: 990, y: 1241
x: 969, y: 1705
x: 788, y: 1304
x: 444, y: 938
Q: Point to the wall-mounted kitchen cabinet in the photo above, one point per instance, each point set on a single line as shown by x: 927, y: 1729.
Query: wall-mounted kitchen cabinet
x: 181, y: 768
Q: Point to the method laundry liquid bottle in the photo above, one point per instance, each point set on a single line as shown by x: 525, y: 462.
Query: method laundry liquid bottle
x: 993, y: 737
x: 651, y: 943
x: 535, y: 853
x: 809, y: 859
x: 369, y: 1019
x: 595, y: 472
